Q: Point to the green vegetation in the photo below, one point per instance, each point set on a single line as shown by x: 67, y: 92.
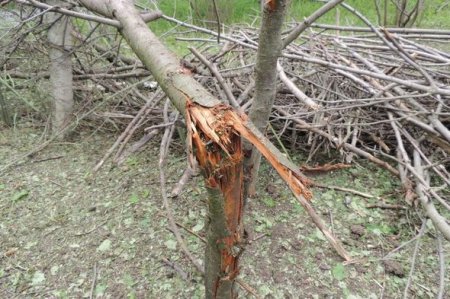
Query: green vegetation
x: 246, y: 13
x: 434, y: 15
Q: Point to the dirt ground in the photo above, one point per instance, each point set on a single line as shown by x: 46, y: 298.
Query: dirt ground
x: 66, y: 233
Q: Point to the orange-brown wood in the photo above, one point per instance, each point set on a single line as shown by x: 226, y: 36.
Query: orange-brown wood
x: 215, y: 133
x: 218, y: 149
x: 272, y: 4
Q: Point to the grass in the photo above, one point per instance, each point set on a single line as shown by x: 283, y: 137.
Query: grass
x: 246, y: 12
x: 301, y: 9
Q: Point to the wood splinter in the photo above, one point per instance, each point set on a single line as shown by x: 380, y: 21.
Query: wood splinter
x: 215, y: 135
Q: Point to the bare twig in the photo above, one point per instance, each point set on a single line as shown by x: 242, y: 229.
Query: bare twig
x: 94, y: 281
x: 406, y: 31
x: 130, y: 128
x: 413, y: 258
x: 295, y: 90
x: 148, y: 17
x: 308, y: 21
x: 177, y: 268
x: 187, y: 174
x: 216, y: 12
x: 436, y: 218
x: 348, y: 190
x: 441, y: 258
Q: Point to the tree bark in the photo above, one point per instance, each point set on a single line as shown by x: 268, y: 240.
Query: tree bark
x: 223, y: 176
x: 60, y: 40
x: 164, y: 65
x: 270, y: 46
x: 266, y: 77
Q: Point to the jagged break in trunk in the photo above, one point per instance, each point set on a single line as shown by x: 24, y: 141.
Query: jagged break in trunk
x: 215, y: 135
x: 218, y: 149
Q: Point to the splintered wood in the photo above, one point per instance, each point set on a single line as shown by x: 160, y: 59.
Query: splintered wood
x: 214, y: 136
x: 218, y: 150
x: 380, y: 96
x: 215, y: 128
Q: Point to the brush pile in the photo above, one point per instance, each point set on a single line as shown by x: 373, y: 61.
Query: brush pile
x: 380, y: 95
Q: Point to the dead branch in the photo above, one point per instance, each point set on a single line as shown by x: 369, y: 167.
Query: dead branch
x: 220, y: 79
x: 187, y: 174
x: 413, y: 258
x: 404, y: 31
x: 440, y: 253
x: 324, y: 168
x: 123, y: 138
x: 308, y: 21
x: 439, y: 221
x: 148, y: 17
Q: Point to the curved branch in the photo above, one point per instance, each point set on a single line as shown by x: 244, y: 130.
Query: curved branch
x: 308, y: 21
x: 439, y: 221
x: 147, y: 17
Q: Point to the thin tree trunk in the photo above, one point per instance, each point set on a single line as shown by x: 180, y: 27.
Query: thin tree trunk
x: 222, y: 172
x: 266, y: 77
x: 60, y: 40
x: 270, y: 46
x: 4, y: 112
x: 385, y: 22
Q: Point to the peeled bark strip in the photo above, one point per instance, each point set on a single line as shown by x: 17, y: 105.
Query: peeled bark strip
x: 212, y: 133
x: 292, y: 176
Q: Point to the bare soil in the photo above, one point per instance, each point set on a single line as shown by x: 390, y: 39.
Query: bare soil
x: 66, y: 233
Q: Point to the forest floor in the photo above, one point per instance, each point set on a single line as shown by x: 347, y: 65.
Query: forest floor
x: 66, y: 233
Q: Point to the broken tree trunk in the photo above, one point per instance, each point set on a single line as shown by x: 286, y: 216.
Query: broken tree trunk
x: 215, y: 132
x: 218, y: 150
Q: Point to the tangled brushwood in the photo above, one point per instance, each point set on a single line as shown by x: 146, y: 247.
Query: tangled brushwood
x: 379, y: 94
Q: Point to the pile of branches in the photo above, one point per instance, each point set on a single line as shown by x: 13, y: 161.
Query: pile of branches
x: 111, y: 86
x: 379, y: 95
